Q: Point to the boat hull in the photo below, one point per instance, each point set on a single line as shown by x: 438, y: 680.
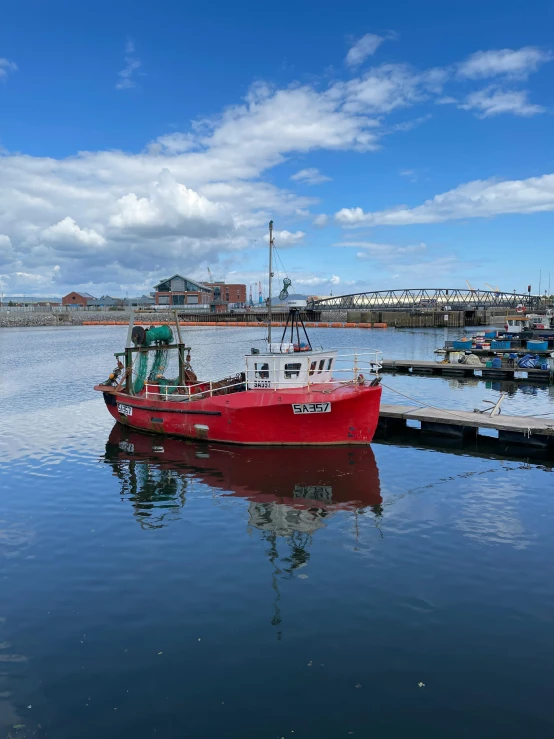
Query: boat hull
x: 316, y: 416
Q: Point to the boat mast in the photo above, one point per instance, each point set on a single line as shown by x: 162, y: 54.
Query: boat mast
x: 270, y: 276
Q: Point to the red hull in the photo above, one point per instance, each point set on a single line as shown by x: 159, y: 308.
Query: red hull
x: 258, y: 416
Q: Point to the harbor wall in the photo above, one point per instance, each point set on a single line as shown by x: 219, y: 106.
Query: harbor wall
x: 404, y: 319
x: 103, y: 318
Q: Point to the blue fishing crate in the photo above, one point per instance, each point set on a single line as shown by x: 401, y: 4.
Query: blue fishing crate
x: 501, y: 345
x: 462, y: 345
x: 491, y: 334
x: 537, y: 346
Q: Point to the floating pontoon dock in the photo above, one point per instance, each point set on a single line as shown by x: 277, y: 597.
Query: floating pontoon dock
x: 521, y: 430
x: 452, y: 369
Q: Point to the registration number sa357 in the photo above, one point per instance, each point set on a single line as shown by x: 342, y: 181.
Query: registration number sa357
x: 311, y: 408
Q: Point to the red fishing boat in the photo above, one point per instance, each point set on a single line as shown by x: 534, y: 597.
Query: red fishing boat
x: 289, y: 394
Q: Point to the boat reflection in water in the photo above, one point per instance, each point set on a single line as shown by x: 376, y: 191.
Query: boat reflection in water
x: 291, y: 489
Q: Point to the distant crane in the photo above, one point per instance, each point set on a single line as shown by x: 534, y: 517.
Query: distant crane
x: 260, y: 298
x: 210, y: 275
x: 251, y: 301
x: 472, y: 289
x: 494, y: 289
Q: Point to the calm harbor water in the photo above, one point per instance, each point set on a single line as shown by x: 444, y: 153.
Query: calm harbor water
x: 158, y: 588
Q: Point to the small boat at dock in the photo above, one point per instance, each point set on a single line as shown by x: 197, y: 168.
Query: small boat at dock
x: 291, y: 393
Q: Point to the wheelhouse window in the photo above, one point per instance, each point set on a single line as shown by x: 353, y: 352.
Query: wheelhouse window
x: 262, y: 370
x: 292, y: 369
x: 313, y: 365
x: 321, y: 365
x: 329, y: 363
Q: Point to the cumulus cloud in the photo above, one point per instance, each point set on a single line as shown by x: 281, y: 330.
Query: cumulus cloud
x: 507, y: 62
x: 365, y: 46
x: 171, y: 207
x: 126, y: 75
x: 68, y: 233
x: 320, y: 221
x: 6, y: 67
x: 286, y: 238
x: 7, y: 252
x: 477, y: 199
x: 310, y: 176
x: 491, y: 101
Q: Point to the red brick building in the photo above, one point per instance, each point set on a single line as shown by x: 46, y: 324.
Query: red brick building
x: 229, y: 293
x: 74, y: 298
x: 178, y: 290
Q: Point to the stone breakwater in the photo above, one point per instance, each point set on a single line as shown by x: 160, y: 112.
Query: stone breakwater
x: 22, y: 319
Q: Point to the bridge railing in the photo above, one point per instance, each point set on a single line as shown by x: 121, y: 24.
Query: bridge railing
x: 429, y: 299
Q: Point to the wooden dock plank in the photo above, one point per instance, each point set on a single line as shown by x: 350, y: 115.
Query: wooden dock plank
x: 518, y: 424
x: 453, y: 368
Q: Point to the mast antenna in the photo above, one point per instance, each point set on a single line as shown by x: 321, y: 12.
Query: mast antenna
x: 270, y: 277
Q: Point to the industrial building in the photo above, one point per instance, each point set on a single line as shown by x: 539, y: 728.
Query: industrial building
x: 214, y: 296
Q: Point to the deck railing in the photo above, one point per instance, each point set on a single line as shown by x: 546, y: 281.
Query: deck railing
x: 362, y: 364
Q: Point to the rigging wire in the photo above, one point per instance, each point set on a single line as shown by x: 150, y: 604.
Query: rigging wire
x: 428, y: 405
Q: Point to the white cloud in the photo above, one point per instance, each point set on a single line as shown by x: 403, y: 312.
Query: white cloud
x: 68, y: 233
x: 8, y: 257
x: 365, y: 46
x: 171, y: 207
x: 509, y: 62
x: 286, y: 238
x: 477, y: 199
x: 446, y: 100
x: 320, y: 221
x: 310, y: 176
x: 389, y: 87
x: 491, y: 101
x: 411, y: 262
x: 126, y: 75
x: 409, y: 174
x: 172, y: 143
x: 6, y: 67
x: 318, y: 281
x: 197, y: 196
x: 385, y: 252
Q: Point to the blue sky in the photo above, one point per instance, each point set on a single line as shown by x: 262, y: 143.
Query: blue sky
x: 401, y: 145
